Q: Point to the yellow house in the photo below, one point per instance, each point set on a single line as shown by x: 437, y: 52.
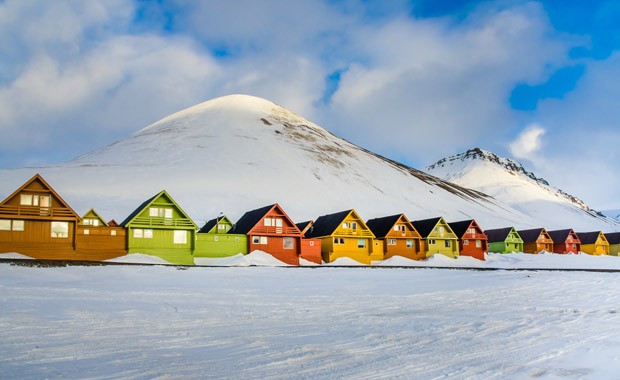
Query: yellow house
x: 613, y: 238
x: 594, y: 243
x: 343, y: 234
x: 438, y: 237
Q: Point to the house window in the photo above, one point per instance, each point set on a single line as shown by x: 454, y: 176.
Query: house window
x: 18, y: 225
x: 259, y: 240
x: 26, y: 200
x: 148, y: 234
x: 361, y: 243
x: 442, y: 231
x: 447, y: 243
x: 403, y: 228
x: 396, y: 227
x: 409, y: 243
x: 160, y: 212
x: 471, y: 231
x: 138, y: 233
x: 273, y: 222
x: 574, y: 246
x: 431, y: 241
x: 478, y: 243
x: 5, y: 225
x: 91, y: 222
x: 113, y: 233
x: 180, y: 237
x: 216, y: 238
x: 86, y: 232
x: 465, y: 242
x: 345, y: 225
x: 312, y: 243
x: 60, y: 229
x: 221, y: 227
x: 354, y: 226
x: 391, y: 241
x: 288, y: 243
x: 236, y: 239
x: 336, y: 240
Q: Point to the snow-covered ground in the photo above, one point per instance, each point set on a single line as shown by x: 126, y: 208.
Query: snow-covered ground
x: 260, y: 322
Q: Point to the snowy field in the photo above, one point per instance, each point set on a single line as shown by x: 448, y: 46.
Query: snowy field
x: 163, y: 322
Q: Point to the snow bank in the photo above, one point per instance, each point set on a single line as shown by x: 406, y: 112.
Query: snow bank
x: 138, y: 258
x: 255, y: 258
x: 14, y: 255
x: 344, y: 261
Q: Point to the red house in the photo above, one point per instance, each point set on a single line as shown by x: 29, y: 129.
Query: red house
x: 310, y: 247
x: 270, y: 230
x: 565, y: 241
x: 472, y: 239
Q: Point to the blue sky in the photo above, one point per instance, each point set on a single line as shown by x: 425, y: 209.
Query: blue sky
x: 538, y: 81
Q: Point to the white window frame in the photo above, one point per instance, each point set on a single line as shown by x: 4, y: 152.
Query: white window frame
x: 361, y: 243
x: 138, y: 233
x: 447, y: 243
x: 478, y: 243
x: 18, y: 225
x: 391, y: 241
x: 409, y: 243
x: 179, y: 237
x: 148, y: 234
x: 5, y: 225
x: 465, y: 242
x: 59, y: 230
x: 288, y: 242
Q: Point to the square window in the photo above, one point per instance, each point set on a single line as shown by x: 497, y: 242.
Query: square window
x: 45, y: 201
x: 288, y: 243
x: 153, y: 212
x: 268, y: 222
x: 138, y: 233
x: 345, y: 225
x: 180, y: 237
x: 391, y: 241
x: 113, y: 233
x: 361, y: 243
x: 148, y: 234
x: 395, y: 228
x: 278, y: 222
x: 168, y: 213
x: 216, y: 238
x: 5, y: 225
x: 25, y: 199
x: 86, y: 232
x: 18, y: 225
x: 255, y: 239
x: 466, y: 242
x: 60, y: 230
x: 263, y: 240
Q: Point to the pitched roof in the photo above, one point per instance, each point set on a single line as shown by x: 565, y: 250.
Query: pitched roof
x: 425, y: 226
x: 138, y: 210
x: 303, y: 225
x: 531, y: 235
x: 325, y: 225
x: 613, y: 237
x: 498, y: 234
x: 211, y: 223
x: 382, y: 226
x: 560, y: 236
x: 92, y: 210
x: 459, y: 228
x: 250, y: 219
x: 588, y: 237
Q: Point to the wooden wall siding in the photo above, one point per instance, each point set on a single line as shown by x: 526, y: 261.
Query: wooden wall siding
x: 472, y: 249
x: 349, y: 249
x: 220, y: 245
x: 438, y: 246
x: 275, y: 247
x: 311, y: 250
x: 415, y: 252
x: 614, y: 249
x: 100, y: 243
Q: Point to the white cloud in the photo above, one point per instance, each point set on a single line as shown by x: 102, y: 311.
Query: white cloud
x: 527, y: 145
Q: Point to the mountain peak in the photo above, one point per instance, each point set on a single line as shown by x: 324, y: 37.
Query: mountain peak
x: 477, y: 154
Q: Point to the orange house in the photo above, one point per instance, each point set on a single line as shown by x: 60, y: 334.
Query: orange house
x: 396, y: 236
x: 472, y: 239
x: 536, y: 240
x: 35, y: 221
x: 97, y: 240
x: 270, y: 230
x: 565, y: 241
x: 310, y: 247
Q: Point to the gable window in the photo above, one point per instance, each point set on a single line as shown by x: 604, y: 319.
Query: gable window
x: 288, y: 243
x: 34, y: 200
x: 180, y: 237
x: 160, y: 212
x: 361, y: 243
x: 60, y: 229
x: 442, y: 231
x: 409, y: 243
x: 403, y: 228
x: 396, y: 227
x: 273, y: 222
x: 354, y: 226
x: 221, y: 227
x: 447, y: 243
x: 91, y: 222
x: 345, y: 225
x: 471, y: 231
x: 391, y: 241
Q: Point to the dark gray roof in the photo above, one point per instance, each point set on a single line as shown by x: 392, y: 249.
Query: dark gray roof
x: 210, y: 224
x: 249, y: 220
x: 588, y: 237
x: 325, y: 225
x: 559, y: 236
x: 380, y: 227
x: 497, y: 235
x: 459, y: 228
x: 613, y: 237
x: 425, y: 226
x: 138, y: 210
x: 302, y: 226
x: 531, y: 235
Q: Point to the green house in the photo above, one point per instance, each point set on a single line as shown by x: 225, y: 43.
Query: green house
x: 213, y: 239
x: 504, y: 240
x: 159, y: 227
x: 438, y: 237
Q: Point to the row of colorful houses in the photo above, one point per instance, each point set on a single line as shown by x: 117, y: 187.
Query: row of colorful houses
x: 37, y: 222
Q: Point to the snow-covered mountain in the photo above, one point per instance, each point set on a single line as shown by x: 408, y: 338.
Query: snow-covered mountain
x: 237, y: 153
x: 512, y: 185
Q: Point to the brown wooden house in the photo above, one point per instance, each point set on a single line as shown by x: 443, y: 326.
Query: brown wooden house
x: 98, y: 240
x: 536, y: 240
x: 270, y: 230
x: 396, y: 236
x: 310, y: 247
x: 35, y: 221
x: 472, y: 239
x: 565, y: 241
